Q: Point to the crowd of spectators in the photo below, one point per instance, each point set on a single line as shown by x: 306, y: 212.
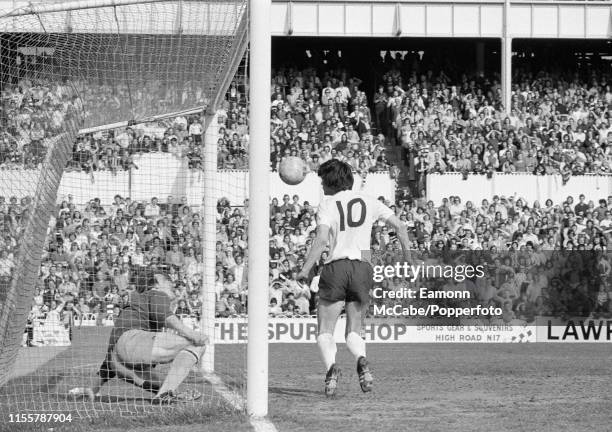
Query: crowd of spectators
x: 98, y: 254
x: 546, y: 259
x: 316, y: 117
x: 558, y: 123
x: 540, y: 259
x: 319, y: 116
x: 35, y: 110
x: 31, y: 115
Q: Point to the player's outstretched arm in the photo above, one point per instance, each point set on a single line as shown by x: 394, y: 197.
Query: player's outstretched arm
x: 314, y: 254
x: 402, y: 234
x: 198, y: 338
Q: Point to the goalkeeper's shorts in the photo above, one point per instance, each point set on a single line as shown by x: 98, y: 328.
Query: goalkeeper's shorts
x: 136, y: 347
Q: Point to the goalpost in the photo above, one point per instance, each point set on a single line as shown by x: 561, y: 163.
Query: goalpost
x: 257, y: 367
x: 84, y: 76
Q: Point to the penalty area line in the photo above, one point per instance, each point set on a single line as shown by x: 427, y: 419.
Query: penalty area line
x: 259, y: 424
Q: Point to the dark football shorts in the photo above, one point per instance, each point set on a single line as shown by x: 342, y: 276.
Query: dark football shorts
x: 346, y: 280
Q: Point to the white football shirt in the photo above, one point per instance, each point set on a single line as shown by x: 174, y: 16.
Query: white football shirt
x: 350, y: 216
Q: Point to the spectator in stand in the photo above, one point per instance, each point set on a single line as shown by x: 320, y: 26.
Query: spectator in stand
x: 222, y: 307
x: 182, y: 308
x: 194, y: 304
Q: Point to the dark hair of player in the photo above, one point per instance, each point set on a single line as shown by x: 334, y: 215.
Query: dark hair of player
x: 336, y: 176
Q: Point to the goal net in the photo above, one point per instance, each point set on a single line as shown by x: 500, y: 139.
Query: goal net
x: 111, y: 115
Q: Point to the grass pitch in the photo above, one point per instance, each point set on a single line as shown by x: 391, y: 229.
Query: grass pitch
x: 448, y: 387
x: 418, y: 387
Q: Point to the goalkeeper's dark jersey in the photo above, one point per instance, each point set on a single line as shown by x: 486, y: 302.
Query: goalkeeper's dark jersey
x: 147, y: 311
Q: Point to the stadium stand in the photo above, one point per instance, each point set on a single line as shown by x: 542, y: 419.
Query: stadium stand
x: 306, y: 122
x: 559, y: 123
x: 536, y: 255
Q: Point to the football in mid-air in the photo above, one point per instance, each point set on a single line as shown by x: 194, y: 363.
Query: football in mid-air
x: 292, y: 170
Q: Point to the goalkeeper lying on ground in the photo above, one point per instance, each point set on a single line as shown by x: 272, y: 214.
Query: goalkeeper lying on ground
x: 137, y: 345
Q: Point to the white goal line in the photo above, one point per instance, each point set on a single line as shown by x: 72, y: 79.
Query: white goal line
x: 259, y: 424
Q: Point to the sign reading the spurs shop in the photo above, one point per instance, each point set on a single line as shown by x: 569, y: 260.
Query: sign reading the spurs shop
x: 304, y: 330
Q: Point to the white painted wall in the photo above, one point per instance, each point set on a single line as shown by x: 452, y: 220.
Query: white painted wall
x: 161, y: 174
x: 526, y: 186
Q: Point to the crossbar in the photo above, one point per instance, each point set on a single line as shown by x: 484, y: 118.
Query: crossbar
x: 41, y: 8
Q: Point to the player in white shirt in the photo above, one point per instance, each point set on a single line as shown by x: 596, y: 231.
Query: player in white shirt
x: 345, y: 220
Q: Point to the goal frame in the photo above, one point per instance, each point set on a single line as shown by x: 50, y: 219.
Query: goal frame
x: 259, y: 196
x: 256, y: 30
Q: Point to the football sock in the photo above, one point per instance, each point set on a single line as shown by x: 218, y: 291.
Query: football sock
x: 181, y: 365
x: 356, y: 345
x: 327, y: 346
